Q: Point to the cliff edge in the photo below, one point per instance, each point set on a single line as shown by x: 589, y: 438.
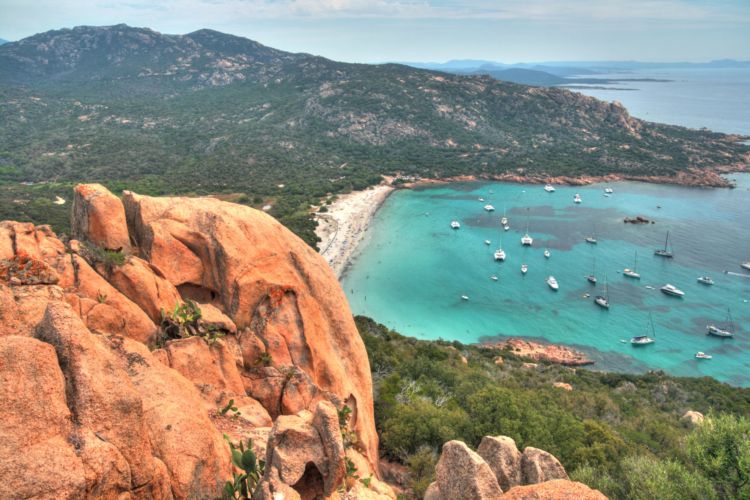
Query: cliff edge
x: 127, y: 352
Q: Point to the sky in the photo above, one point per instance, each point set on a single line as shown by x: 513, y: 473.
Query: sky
x: 508, y: 31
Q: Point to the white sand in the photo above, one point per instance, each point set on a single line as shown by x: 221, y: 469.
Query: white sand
x: 342, y: 228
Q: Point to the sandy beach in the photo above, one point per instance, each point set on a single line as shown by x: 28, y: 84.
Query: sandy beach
x: 343, y: 227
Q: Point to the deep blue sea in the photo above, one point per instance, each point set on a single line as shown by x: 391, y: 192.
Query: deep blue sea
x: 716, y: 98
x: 412, y: 270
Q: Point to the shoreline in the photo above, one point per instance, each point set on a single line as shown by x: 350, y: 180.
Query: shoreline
x: 538, y: 350
x: 713, y: 178
x: 343, y: 227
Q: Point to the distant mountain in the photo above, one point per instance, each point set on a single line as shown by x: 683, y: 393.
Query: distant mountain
x: 209, y: 112
x: 2, y: 41
x: 525, y: 76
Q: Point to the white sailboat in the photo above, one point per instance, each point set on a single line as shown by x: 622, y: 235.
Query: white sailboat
x: 547, y: 255
x: 489, y: 208
x: 725, y: 332
x: 455, y: 224
x: 500, y: 254
x: 632, y: 273
x: 504, y: 218
x: 592, y: 277
x: 577, y: 198
x: 524, y: 268
x: 665, y: 252
x: 609, y: 190
x: 603, y: 300
x: 702, y: 355
x: 549, y: 188
x: 645, y: 339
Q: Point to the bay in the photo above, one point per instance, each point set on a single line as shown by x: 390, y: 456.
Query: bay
x: 412, y: 269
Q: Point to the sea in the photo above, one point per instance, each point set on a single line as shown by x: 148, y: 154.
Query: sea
x: 412, y: 269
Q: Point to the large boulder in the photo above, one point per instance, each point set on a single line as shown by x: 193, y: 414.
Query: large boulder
x: 556, y: 489
x: 98, y: 216
x: 462, y: 473
x: 538, y: 466
x: 37, y: 460
x: 266, y: 280
x: 503, y: 457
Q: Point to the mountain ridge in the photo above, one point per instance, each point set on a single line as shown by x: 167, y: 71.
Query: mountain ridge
x: 211, y: 113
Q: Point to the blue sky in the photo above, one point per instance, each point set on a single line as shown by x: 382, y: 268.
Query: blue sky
x: 428, y: 30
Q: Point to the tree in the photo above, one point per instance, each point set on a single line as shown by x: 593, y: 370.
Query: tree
x: 647, y: 478
x: 720, y: 448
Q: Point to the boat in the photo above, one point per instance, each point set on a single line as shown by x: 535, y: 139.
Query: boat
x: 549, y: 188
x: 706, y: 280
x: 455, y: 224
x: 524, y: 268
x: 577, y: 198
x: 632, y: 273
x: 640, y: 340
x: 503, y: 221
x: 500, y: 254
x: 672, y: 290
x: 592, y: 277
x: 493, y: 277
x: 552, y: 282
x: 702, y: 355
x: 487, y: 242
x: 726, y: 332
x: 464, y: 297
x: 746, y: 265
x: 527, y: 240
x: 506, y: 227
x: 481, y: 199
x: 666, y: 251
x: 603, y: 300
x: 609, y: 190
x: 489, y: 208
x: 547, y: 255
x: 591, y: 239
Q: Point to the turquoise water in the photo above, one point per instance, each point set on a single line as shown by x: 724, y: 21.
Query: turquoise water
x: 716, y: 98
x: 412, y: 270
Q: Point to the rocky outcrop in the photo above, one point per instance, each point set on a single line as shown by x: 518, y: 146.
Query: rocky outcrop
x: 499, y: 467
x: 539, y: 351
x: 503, y: 457
x: 557, y: 489
x: 692, y: 418
x: 538, y: 466
x: 106, y: 398
x: 462, y: 473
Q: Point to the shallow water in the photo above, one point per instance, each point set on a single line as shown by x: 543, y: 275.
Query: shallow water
x: 412, y: 270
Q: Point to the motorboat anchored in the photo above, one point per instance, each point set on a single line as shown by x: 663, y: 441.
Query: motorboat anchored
x: 464, y: 297
x: 455, y: 224
x: 549, y: 188
x: 527, y: 240
x: 746, y: 265
x: 706, y: 280
x: 524, y: 268
x: 489, y: 208
x: 547, y: 255
x: 506, y: 227
x: 493, y: 277
x: 666, y: 251
x: 672, y: 290
x: 725, y: 332
x: 500, y: 254
x: 487, y: 242
x: 577, y: 198
x: 591, y: 239
x: 552, y: 282
x: 702, y: 355
x: 609, y: 190
x: 632, y: 273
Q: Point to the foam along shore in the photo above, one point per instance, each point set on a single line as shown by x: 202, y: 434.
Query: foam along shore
x: 343, y: 226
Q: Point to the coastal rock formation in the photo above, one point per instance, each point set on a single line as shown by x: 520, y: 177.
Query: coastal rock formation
x: 118, y: 349
x: 538, y: 351
x: 499, y: 467
x: 692, y: 418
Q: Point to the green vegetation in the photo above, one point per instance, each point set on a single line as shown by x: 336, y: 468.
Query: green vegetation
x: 616, y: 432
x: 243, y: 484
x: 288, y: 129
x: 230, y: 407
x: 109, y: 258
x: 185, y: 321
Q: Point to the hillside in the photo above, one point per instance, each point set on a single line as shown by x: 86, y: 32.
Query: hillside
x: 214, y: 113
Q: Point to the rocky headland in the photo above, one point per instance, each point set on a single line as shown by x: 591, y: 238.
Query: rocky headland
x: 539, y: 351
